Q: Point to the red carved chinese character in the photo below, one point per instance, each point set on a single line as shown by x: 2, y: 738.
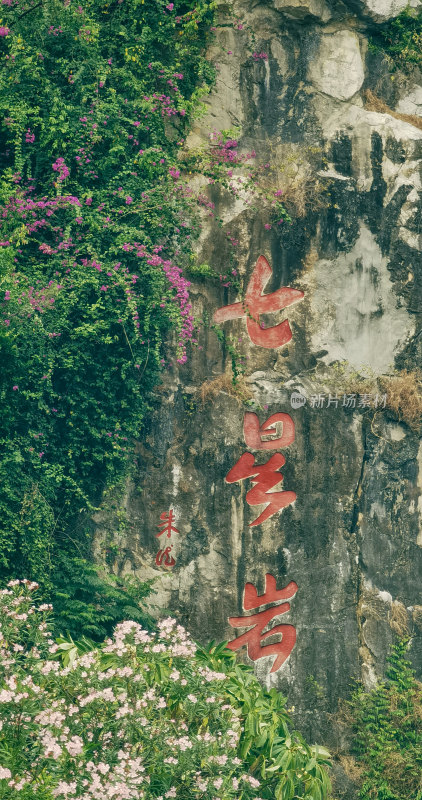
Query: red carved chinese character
x: 167, y: 523
x: 265, y: 477
x: 163, y: 558
x: 253, y: 432
x: 257, y: 303
x: 254, y: 637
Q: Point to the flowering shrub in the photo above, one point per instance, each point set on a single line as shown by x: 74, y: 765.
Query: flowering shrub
x: 142, y: 716
x: 96, y: 227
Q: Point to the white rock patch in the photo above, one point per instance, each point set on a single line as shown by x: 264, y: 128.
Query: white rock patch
x: 358, y: 319
x: 337, y: 69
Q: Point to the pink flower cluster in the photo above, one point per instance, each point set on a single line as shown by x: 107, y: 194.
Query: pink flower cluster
x: 167, y: 109
x: 35, y: 214
x: 60, y: 167
x: 4, y: 31
x: 179, y: 283
x: 226, y: 152
x: 99, y: 740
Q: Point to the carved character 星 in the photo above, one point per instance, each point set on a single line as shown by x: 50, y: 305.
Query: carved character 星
x: 266, y: 477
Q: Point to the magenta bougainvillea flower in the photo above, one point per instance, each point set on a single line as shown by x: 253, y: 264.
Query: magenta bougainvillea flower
x: 60, y: 167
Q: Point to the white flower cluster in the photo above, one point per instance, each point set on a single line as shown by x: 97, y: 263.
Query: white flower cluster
x: 136, y: 719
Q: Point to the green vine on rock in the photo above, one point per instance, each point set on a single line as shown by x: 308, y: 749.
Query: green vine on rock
x: 387, y: 724
x: 97, y: 224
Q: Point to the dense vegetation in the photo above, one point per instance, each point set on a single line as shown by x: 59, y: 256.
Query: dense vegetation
x: 401, y: 40
x: 96, y: 226
x: 388, y: 733
x: 145, y: 715
x: 98, y: 219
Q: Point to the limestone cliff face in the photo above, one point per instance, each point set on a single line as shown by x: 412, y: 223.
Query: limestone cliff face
x: 352, y: 540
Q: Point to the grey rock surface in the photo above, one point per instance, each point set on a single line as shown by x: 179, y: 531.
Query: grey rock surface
x: 337, y: 68
x: 352, y: 540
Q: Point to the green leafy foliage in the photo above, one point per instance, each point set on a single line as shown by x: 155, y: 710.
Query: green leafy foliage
x: 87, y: 600
x: 96, y: 226
x: 388, y: 732
x: 288, y: 768
x: 401, y: 40
x: 98, y: 220
x: 144, y: 715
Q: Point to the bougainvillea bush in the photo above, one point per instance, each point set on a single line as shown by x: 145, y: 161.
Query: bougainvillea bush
x: 98, y: 221
x: 145, y: 715
x: 96, y: 227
